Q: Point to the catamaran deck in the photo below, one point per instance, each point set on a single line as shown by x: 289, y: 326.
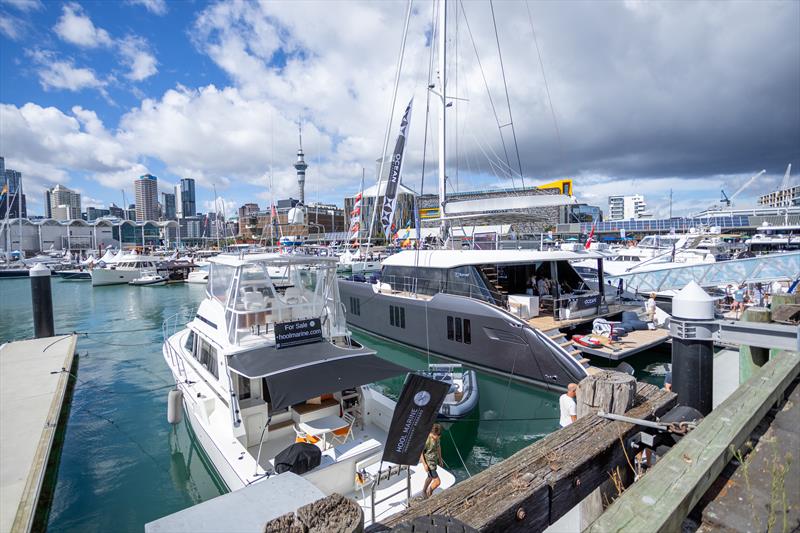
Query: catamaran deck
x: 32, y: 393
x: 633, y: 342
x: 547, y: 323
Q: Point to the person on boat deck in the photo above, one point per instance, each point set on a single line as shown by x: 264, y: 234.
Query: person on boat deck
x: 541, y: 286
x: 650, y: 307
x: 568, y: 406
x: 431, y: 458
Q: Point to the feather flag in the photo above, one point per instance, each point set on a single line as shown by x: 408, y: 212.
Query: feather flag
x: 589, y: 240
x: 393, y: 181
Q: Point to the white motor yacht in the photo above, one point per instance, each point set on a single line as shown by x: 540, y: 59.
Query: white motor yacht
x: 123, y: 268
x: 269, y: 362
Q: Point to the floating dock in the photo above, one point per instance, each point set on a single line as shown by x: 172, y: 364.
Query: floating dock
x: 633, y: 342
x: 34, y: 384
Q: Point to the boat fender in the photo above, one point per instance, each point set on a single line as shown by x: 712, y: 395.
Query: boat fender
x: 174, y: 409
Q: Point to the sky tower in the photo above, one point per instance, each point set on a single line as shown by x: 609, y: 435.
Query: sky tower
x: 301, y: 167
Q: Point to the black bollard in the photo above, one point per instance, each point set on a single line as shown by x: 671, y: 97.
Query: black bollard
x: 693, y: 348
x: 42, y: 299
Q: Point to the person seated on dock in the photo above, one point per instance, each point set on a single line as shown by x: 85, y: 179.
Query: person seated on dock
x: 568, y: 406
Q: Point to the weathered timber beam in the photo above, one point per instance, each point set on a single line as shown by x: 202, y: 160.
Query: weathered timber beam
x: 665, y: 496
x: 537, y: 485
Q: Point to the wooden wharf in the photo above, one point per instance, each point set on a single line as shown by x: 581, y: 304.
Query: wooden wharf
x: 535, y: 487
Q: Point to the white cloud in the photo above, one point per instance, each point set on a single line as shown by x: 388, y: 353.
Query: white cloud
x: 55, y: 73
x: 157, y: 7
x: 77, y: 28
x: 136, y: 56
x: 11, y: 26
x: 229, y: 207
x: 25, y: 5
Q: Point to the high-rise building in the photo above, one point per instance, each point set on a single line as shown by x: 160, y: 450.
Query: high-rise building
x: 301, y: 167
x: 130, y: 213
x: 48, y: 212
x: 168, y: 206
x: 627, y: 207
x: 146, y: 189
x: 93, y: 213
x: 185, y: 205
x: 14, y: 199
x: 61, y: 196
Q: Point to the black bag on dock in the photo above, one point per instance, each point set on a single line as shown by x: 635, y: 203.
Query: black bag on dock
x: 298, y: 458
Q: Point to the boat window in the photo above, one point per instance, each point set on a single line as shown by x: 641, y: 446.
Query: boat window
x: 244, y: 388
x: 458, y: 330
x: 189, y: 344
x: 397, y: 316
x: 220, y: 281
x: 208, y: 358
x: 355, y: 305
x: 450, y: 328
x: 467, y: 332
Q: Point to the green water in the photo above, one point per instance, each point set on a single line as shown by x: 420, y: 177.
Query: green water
x: 123, y: 465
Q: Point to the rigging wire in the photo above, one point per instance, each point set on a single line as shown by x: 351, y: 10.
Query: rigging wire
x: 389, y: 123
x: 546, y: 85
x: 486, y: 84
x: 464, y: 464
x: 508, y: 100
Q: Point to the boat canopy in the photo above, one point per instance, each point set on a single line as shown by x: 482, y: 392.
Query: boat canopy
x: 272, y: 259
x: 457, y: 258
x: 297, y: 373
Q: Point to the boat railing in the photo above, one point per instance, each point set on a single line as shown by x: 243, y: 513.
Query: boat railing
x: 428, y: 287
x: 168, y: 328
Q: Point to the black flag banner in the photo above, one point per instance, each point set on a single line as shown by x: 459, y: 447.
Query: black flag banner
x: 413, y: 418
x: 393, y: 182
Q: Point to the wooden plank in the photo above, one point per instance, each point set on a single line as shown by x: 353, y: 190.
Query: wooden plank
x: 536, y: 486
x: 663, y: 498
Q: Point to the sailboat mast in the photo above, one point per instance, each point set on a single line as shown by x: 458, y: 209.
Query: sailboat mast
x: 443, y: 101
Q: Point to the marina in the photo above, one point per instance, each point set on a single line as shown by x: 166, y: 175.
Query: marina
x: 405, y: 266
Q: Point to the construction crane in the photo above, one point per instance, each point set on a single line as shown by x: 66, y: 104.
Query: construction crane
x: 785, y: 182
x: 728, y: 200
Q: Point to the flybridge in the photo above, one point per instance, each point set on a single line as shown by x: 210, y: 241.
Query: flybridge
x: 505, y: 203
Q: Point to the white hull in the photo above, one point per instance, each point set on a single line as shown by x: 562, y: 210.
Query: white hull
x: 116, y: 276
x: 199, y: 277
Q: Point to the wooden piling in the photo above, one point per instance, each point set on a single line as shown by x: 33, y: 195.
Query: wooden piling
x: 538, y: 485
x: 751, y: 358
x: 610, y: 392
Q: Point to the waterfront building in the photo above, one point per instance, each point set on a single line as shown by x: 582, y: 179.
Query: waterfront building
x: 146, y: 190
x: 130, y: 213
x: 185, y: 204
x: 93, y: 213
x: 76, y: 235
x: 168, y: 211
x: 788, y: 197
x: 248, y: 220
x: 627, y: 207
x: 70, y: 200
x: 581, y: 213
x: 115, y: 211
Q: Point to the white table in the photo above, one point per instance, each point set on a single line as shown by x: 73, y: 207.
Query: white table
x: 320, y: 427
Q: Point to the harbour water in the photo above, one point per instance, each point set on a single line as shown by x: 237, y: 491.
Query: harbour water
x: 122, y: 465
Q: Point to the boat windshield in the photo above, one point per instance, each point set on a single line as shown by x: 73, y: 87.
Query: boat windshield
x: 260, y: 293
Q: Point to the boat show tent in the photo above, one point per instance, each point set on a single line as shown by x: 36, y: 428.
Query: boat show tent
x: 766, y: 268
x: 297, y: 373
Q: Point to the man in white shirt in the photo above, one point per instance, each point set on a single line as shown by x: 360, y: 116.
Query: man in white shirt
x: 569, y: 409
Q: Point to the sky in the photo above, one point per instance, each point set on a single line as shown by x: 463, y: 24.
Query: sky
x: 622, y: 97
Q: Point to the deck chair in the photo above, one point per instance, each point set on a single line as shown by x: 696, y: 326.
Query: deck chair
x: 302, y: 436
x: 340, y: 436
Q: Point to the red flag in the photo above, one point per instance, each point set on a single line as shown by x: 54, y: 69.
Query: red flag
x: 589, y: 240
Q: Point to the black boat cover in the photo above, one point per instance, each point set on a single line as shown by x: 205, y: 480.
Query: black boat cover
x: 297, y: 373
x: 298, y: 458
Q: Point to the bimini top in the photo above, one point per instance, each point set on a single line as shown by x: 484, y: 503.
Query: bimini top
x: 457, y: 258
x: 297, y: 373
x: 273, y: 259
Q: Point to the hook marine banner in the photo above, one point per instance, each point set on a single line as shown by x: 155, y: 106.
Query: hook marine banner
x: 393, y: 182
x: 413, y: 418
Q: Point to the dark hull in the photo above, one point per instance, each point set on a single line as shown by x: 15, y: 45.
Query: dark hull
x: 499, y: 342
x: 13, y: 273
x: 75, y: 276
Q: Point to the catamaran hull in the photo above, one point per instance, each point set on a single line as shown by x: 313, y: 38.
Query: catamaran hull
x: 498, y: 341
